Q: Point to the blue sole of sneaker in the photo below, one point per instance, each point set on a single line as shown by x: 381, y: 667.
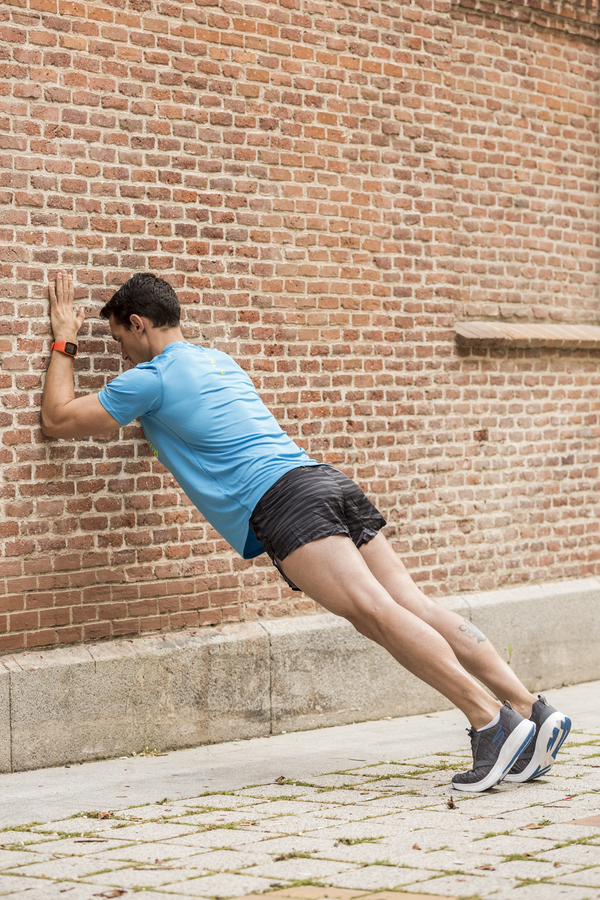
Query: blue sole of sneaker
x: 518, y: 741
x: 552, y: 736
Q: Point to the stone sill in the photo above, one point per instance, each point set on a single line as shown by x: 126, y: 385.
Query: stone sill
x: 509, y: 334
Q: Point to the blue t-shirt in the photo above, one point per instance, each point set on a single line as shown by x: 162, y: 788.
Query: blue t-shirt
x: 205, y: 422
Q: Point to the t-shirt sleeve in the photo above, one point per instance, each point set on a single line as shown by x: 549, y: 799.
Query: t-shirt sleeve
x: 135, y: 393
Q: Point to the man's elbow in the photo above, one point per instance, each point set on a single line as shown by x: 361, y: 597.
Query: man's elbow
x: 48, y: 426
x: 53, y: 428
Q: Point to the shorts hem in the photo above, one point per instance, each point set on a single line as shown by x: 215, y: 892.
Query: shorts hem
x: 302, y: 541
x: 367, y: 536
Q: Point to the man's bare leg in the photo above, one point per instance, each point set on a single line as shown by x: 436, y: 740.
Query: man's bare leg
x: 471, y: 647
x: 334, y: 573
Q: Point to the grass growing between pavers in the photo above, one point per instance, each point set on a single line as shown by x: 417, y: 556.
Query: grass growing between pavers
x: 26, y: 827
x: 364, y: 840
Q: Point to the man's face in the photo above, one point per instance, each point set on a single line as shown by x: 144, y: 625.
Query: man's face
x: 134, y: 346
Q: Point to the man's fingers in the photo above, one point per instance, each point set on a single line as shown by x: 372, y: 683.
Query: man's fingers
x: 61, y: 286
x: 65, y: 290
x: 63, y: 320
x: 58, y: 283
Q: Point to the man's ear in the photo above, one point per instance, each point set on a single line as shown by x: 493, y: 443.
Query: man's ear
x: 137, y: 323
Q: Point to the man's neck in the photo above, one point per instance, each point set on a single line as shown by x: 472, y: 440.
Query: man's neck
x: 159, y: 338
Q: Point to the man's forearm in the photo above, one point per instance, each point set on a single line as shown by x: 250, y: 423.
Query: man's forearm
x: 59, y: 390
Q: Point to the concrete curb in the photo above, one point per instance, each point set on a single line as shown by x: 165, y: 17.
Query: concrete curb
x: 171, y: 691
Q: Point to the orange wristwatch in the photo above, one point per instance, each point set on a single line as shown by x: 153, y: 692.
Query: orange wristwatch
x: 66, y: 347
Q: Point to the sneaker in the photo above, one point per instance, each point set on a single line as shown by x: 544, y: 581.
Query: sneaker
x: 495, y: 750
x: 551, y: 730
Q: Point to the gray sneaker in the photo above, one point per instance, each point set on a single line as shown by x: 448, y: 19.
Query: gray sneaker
x: 551, y: 730
x: 495, y: 750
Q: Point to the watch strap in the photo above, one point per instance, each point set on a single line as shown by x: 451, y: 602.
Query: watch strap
x: 69, y: 348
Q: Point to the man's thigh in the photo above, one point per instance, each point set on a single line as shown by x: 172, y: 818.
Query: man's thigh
x: 333, y: 572
x: 389, y: 570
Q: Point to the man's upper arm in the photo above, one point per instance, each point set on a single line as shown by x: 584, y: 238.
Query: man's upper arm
x: 83, y: 417
x: 131, y: 394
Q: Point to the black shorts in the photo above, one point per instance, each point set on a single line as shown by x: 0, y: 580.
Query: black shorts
x: 308, y: 503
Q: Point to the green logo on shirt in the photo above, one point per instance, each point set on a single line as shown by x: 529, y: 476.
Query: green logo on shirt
x: 212, y: 362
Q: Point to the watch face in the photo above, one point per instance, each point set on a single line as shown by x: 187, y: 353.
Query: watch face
x: 70, y: 348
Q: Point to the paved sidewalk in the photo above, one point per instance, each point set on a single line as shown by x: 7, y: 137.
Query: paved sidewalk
x: 343, y: 813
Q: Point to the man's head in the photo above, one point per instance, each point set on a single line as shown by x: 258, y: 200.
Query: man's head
x: 144, y: 317
x: 146, y: 296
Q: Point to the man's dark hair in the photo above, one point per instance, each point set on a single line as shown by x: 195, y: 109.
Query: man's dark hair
x: 144, y: 295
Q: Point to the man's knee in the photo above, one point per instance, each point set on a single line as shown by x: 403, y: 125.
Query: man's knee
x: 369, y: 615
x: 429, y: 609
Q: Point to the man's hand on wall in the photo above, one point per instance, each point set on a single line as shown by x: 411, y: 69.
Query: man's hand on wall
x: 65, y: 324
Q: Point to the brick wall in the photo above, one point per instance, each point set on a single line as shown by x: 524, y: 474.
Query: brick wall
x: 328, y: 185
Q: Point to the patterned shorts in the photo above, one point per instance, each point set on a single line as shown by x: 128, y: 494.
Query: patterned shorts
x: 308, y: 503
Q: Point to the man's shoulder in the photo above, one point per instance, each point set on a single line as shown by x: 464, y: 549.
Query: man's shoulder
x: 145, y: 378
x: 182, y: 355
x: 133, y: 393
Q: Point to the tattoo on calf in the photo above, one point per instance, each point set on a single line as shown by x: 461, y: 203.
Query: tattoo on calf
x: 472, y: 630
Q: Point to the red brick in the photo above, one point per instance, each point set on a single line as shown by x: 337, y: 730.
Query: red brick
x: 9, y: 642
x: 95, y: 631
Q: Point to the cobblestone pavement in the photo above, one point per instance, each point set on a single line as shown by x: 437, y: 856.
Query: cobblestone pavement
x: 394, y: 829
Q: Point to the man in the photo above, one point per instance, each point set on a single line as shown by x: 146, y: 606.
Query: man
x: 205, y: 421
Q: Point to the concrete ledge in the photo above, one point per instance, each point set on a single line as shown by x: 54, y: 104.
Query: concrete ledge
x: 240, y: 681
x: 181, y: 690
